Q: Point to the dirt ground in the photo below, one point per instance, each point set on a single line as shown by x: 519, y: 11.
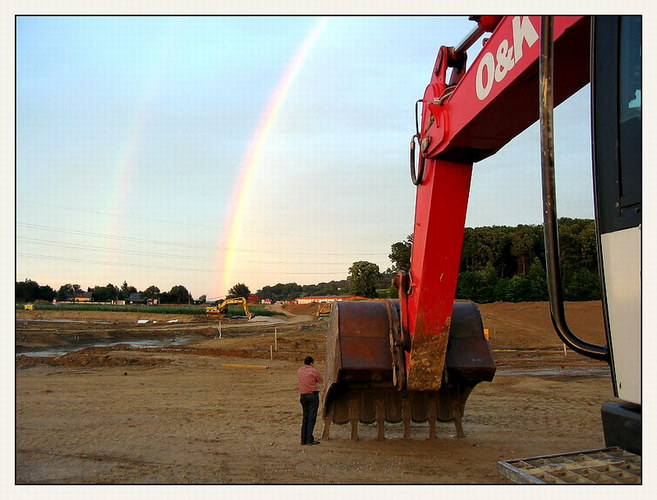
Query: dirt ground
x: 224, y: 408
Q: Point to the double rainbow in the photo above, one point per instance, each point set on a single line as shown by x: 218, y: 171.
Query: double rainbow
x: 230, y: 236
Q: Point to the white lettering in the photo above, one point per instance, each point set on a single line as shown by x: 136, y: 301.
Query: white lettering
x: 523, y: 29
x: 504, y: 60
x: 487, y: 62
x: 493, y: 69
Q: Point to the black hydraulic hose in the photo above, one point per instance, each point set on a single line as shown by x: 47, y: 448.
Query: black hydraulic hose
x: 550, y: 228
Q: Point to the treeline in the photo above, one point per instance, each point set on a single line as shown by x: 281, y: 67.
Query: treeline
x: 507, y: 264
x: 498, y: 263
x: 502, y: 263
x: 291, y: 291
x: 31, y: 291
x: 364, y: 279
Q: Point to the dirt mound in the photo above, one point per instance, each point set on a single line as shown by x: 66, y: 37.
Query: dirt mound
x: 92, y: 357
x: 300, y: 308
x: 528, y: 324
x: 112, y: 317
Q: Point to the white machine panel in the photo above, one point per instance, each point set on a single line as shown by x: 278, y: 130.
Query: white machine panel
x: 622, y: 267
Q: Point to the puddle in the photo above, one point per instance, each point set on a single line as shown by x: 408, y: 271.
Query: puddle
x: 138, y: 343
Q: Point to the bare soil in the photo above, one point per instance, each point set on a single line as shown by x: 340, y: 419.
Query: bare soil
x: 224, y: 408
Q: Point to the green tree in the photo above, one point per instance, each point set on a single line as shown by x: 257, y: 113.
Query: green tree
x: 478, y: 286
x: 280, y: 292
x: 582, y: 285
x: 113, y: 291
x: 362, y: 279
x: 518, y: 289
x: 499, y: 293
x: 46, y: 293
x: 484, y: 245
x: 400, y: 254
x: 538, y: 288
x: 67, y: 292
x: 179, y: 295
x: 468, y: 285
x: 27, y: 291
x: 102, y: 294
x: 239, y: 290
x: 524, y: 240
x: 127, y: 290
x: 152, y: 292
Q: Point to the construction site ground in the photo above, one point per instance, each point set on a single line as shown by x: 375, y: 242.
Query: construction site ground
x: 224, y: 408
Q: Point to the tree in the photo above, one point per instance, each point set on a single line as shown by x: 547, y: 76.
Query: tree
x: 30, y: 291
x: 524, y: 241
x: 127, y: 290
x: 113, y: 291
x: 363, y: 278
x: 152, y: 292
x: 46, y: 293
x: 27, y: 291
x: 582, y: 285
x: 239, y: 290
x: 178, y: 295
x: 101, y: 294
x: 468, y: 285
x: 400, y: 254
x: 280, y: 291
x: 67, y: 292
x: 518, y: 289
x: 478, y: 286
x: 538, y: 288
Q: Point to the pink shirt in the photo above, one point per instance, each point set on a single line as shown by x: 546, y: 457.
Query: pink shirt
x: 309, y: 379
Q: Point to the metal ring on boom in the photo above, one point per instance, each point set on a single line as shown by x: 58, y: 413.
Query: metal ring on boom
x: 416, y: 178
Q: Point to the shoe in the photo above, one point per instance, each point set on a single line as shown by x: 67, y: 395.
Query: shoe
x: 315, y: 442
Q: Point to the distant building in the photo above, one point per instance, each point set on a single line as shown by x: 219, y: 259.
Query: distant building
x: 252, y: 298
x: 135, y: 298
x: 322, y: 299
x: 82, y: 297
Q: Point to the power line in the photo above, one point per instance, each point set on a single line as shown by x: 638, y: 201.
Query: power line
x: 148, y: 266
x: 39, y: 241
x: 186, y: 223
x: 187, y: 245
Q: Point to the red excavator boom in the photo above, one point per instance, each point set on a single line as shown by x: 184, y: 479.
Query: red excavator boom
x: 418, y: 358
x: 464, y: 120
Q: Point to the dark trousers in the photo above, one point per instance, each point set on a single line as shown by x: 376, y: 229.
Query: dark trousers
x: 310, y: 405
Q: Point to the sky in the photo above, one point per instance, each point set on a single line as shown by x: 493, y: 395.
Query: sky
x: 206, y: 151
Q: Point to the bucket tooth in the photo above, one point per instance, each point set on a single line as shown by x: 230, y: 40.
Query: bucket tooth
x: 354, y: 408
x: 406, y: 412
x: 380, y: 417
x: 432, y: 414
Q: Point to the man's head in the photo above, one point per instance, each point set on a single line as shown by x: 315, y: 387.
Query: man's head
x: 308, y: 361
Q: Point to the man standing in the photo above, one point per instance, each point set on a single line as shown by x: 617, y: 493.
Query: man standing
x: 309, y: 380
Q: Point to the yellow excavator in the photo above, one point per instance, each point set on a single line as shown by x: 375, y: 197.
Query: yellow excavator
x: 222, y: 307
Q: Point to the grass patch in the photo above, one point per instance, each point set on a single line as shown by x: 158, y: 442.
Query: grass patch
x: 178, y: 309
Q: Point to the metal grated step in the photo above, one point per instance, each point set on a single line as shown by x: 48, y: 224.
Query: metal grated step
x: 603, y: 466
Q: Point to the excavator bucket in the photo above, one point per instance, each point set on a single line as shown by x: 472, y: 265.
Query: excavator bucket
x: 364, y: 369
